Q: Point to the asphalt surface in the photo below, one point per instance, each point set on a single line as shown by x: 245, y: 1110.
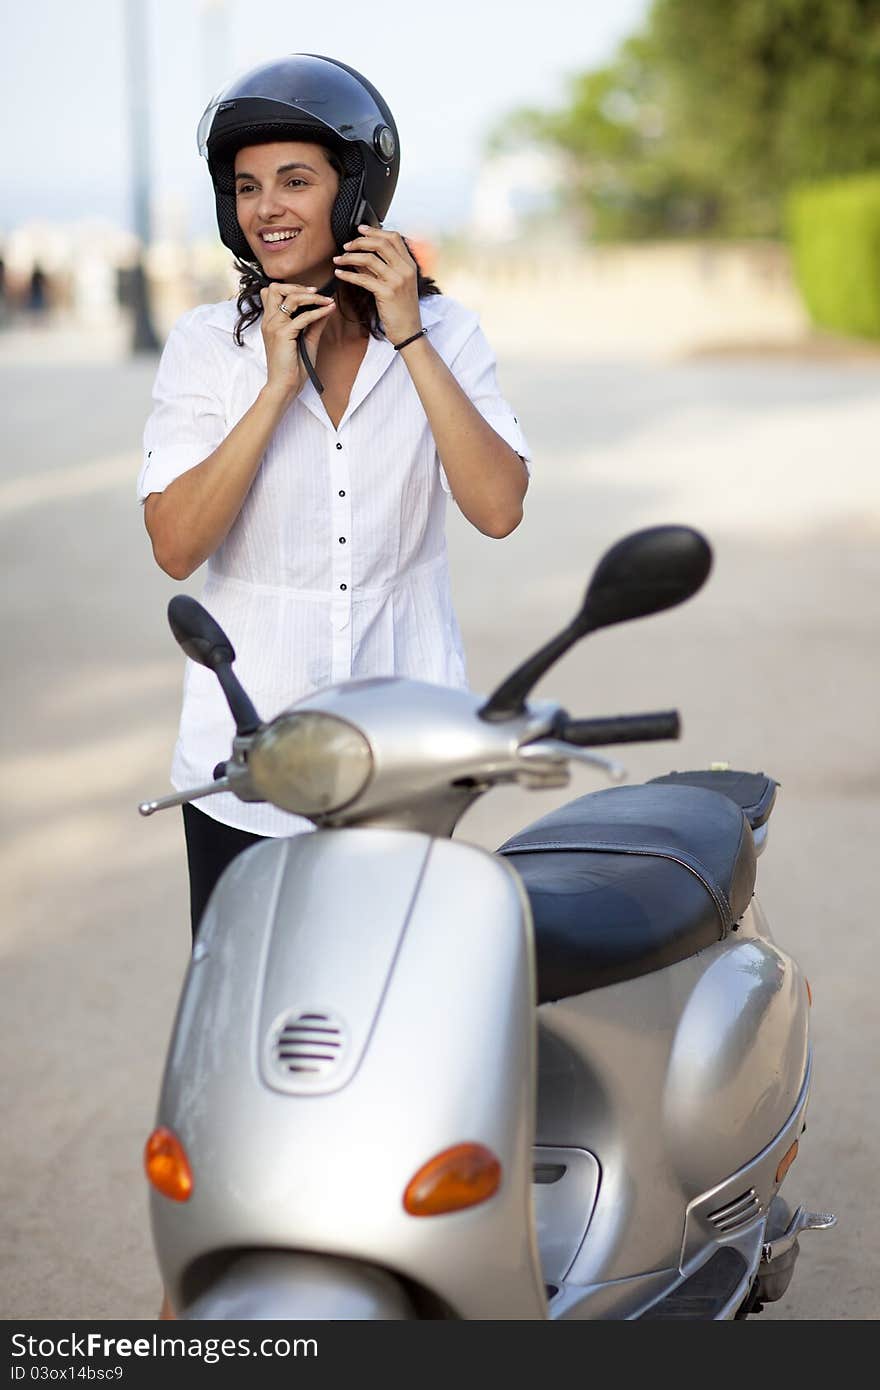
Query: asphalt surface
x: 774, y: 666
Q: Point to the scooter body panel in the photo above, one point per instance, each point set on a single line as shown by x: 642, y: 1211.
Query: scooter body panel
x: 675, y: 1081
x: 421, y: 951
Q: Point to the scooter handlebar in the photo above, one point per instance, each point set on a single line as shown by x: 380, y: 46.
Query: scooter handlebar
x: 625, y: 728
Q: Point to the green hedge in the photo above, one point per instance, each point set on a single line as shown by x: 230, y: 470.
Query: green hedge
x: 834, y: 233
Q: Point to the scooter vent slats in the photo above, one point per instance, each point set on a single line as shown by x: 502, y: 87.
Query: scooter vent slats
x: 739, y: 1212
x: 308, y: 1044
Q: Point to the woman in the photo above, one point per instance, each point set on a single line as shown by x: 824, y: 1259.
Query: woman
x: 303, y: 439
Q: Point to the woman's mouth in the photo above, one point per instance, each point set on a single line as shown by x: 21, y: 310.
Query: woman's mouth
x: 281, y: 237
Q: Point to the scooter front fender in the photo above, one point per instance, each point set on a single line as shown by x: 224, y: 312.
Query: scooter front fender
x: 282, y: 1285
x: 406, y: 964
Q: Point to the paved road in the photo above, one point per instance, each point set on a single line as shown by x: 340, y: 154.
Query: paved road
x: 775, y: 666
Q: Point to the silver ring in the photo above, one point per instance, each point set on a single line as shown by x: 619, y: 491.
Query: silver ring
x: 285, y: 311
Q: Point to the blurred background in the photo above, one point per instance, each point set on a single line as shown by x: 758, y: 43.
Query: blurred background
x: 667, y: 213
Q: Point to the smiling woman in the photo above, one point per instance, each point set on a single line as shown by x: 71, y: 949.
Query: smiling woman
x: 280, y: 199
x: 304, y: 438
x: 262, y: 195
x: 308, y: 192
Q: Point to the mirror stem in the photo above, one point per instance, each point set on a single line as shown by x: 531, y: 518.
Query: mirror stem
x: 509, y: 699
x: 247, y: 721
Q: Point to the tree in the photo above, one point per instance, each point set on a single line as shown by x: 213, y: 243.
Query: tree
x: 706, y: 119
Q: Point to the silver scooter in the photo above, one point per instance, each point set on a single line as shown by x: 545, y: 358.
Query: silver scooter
x: 412, y: 1079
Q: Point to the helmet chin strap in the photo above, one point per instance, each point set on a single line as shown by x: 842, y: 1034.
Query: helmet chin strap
x: 316, y: 381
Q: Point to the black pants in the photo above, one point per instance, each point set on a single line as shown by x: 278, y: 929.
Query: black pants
x: 210, y: 846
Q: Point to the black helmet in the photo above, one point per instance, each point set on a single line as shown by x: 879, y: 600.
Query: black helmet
x: 305, y: 97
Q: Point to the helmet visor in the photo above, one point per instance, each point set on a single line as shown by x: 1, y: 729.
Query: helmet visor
x: 313, y: 89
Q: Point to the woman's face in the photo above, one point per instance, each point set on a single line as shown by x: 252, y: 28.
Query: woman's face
x: 283, y: 196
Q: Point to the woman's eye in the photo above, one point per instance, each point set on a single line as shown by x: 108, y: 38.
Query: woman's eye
x: 251, y: 188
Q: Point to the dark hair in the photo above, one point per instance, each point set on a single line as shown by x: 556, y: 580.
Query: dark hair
x: 252, y: 280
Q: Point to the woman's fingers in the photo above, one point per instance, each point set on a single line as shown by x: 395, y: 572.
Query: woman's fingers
x: 380, y: 251
x: 293, y: 311
x: 380, y: 283
x: 378, y: 258
x: 310, y: 315
x: 369, y: 282
x: 285, y: 340
x: 389, y: 245
x: 282, y: 297
x: 364, y: 258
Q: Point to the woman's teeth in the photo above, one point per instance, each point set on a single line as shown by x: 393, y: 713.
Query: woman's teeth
x: 280, y: 236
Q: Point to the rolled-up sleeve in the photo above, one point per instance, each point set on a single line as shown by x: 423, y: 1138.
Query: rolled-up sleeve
x: 476, y: 370
x: 188, y: 419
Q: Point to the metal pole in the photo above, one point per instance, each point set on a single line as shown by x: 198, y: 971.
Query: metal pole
x: 144, y: 338
x: 215, y: 31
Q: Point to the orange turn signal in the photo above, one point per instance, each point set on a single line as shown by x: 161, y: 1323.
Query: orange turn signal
x: 459, y: 1177
x: 787, y: 1162
x: 167, y: 1165
x: 809, y: 991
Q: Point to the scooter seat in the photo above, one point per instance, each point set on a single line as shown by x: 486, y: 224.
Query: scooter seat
x: 630, y: 880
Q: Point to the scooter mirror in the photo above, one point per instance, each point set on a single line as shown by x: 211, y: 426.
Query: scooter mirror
x: 644, y: 573
x: 198, y: 634
x: 204, y: 641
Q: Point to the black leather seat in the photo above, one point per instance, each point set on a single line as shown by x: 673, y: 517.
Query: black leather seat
x: 630, y: 880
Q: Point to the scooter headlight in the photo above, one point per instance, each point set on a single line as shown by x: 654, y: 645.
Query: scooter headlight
x: 310, y: 763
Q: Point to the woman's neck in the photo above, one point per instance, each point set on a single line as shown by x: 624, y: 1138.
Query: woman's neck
x: 343, y: 326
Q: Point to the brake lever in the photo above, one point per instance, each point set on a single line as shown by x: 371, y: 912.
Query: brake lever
x: 558, y: 751
x: 148, y: 808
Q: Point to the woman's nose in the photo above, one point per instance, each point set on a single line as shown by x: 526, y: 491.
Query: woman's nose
x: 269, y: 204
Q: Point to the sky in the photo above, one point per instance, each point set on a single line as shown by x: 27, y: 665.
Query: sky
x: 448, y: 70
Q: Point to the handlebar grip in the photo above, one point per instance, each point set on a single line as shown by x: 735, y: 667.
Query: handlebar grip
x: 625, y: 728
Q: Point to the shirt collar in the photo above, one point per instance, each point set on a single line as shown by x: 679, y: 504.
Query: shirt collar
x: 377, y: 359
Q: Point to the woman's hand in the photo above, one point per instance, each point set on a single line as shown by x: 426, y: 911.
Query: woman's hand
x: 285, y: 373
x: 379, y: 261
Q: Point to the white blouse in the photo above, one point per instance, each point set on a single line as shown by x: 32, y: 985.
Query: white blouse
x: 336, y: 567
